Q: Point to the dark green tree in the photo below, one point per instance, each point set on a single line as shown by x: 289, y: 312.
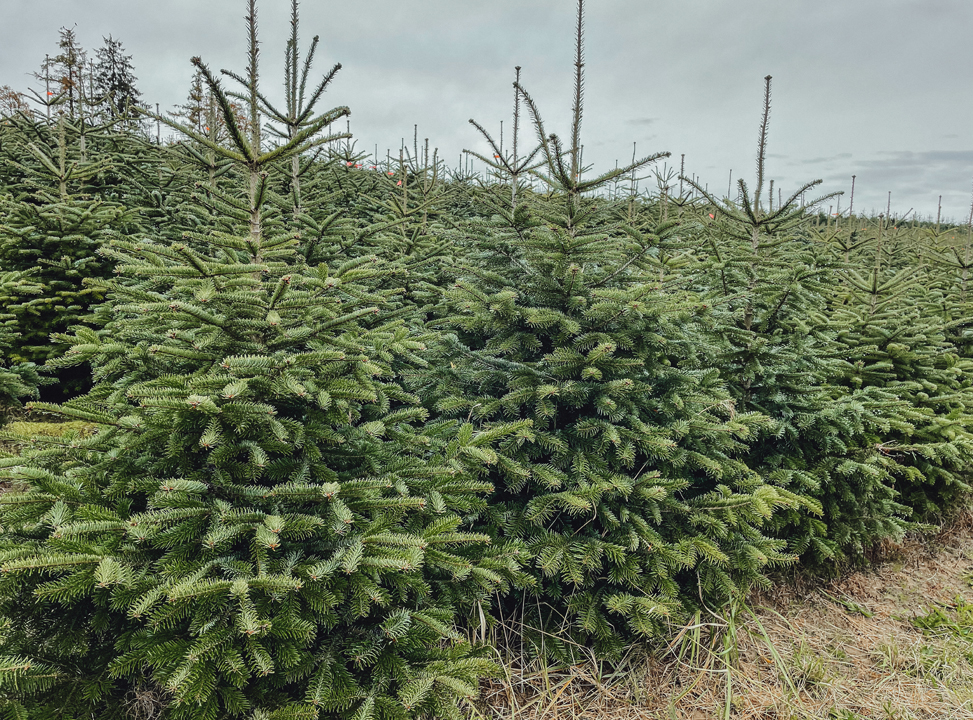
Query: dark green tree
x: 629, y: 493
x: 896, y: 338
x: 54, y: 224
x: 18, y: 380
x: 114, y: 81
x: 265, y: 524
x: 769, y: 285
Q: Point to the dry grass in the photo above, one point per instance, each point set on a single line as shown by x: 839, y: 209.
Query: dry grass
x: 891, y: 642
x: 147, y: 701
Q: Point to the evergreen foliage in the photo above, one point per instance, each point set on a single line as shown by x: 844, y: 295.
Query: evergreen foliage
x: 351, y: 411
x: 18, y: 380
x: 53, y: 223
x: 66, y: 71
x: 893, y: 342
x: 193, y: 112
x: 778, y: 357
x: 630, y: 490
x: 265, y: 522
x: 114, y: 81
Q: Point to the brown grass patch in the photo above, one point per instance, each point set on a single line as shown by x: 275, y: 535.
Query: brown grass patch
x: 848, y: 649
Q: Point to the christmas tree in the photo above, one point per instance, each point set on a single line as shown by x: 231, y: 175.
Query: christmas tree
x: 265, y: 523
x: 769, y: 284
x: 894, y: 322
x: 53, y: 222
x: 114, y: 81
x: 629, y: 493
x: 18, y: 380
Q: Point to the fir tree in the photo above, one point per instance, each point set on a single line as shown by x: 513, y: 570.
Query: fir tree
x: 53, y: 226
x: 66, y: 70
x: 114, y: 81
x: 950, y: 268
x: 18, y: 380
x: 630, y: 490
x: 400, y: 214
x: 509, y: 164
x: 894, y: 340
x: 298, y: 111
x: 265, y: 523
x: 193, y: 111
x: 770, y: 286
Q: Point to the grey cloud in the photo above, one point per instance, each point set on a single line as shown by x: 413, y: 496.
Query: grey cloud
x: 915, y: 179
x: 838, y: 79
x: 822, y: 160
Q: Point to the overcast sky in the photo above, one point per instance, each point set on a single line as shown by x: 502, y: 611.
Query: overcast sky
x: 880, y: 89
